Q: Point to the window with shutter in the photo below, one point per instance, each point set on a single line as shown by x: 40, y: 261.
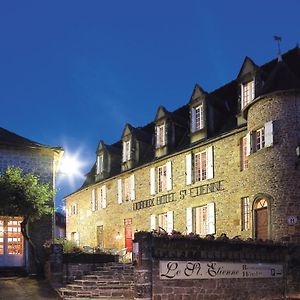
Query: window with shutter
x: 99, y: 164
x: 152, y: 222
x: 160, y: 135
x: 204, y: 219
x: 163, y: 221
x: 197, y: 121
x: 247, y: 93
x: 126, y: 150
x: 127, y: 189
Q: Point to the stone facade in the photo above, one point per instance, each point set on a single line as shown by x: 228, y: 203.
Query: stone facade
x: 272, y: 174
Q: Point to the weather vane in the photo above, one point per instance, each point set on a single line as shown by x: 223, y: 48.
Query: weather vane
x: 278, y: 39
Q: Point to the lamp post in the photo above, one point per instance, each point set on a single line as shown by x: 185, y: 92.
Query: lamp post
x: 69, y: 166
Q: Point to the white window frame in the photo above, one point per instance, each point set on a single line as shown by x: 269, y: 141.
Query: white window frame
x: 243, y: 153
x: 102, y: 193
x: 247, y: 92
x: 161, y: 135
x: 204, y: 214
x: 197, y: 117
x: 200, y: 170
x: 259, y: 138
x: 162, y: 179
x: 245, y: 214
x: 99, y: 164
x: 94, y: 200
x: 126, y: 150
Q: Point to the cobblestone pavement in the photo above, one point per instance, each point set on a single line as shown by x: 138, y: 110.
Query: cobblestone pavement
x: 25, y: 288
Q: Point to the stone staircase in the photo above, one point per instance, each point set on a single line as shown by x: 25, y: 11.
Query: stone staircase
x: 110, y: 281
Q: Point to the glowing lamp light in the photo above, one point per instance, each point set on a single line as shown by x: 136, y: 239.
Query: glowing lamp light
x: 118, y: 236
x: 70, y: 167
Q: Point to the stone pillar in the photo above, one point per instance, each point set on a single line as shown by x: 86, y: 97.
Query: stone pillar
x: 56, y: 265
x: 143, y: 266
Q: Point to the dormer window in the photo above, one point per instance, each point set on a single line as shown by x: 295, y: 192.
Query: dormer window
x: 160, y: 135
x: 126, y: 150
x: 247, y: 93
x: 197, y: 122
x: 99, y: 164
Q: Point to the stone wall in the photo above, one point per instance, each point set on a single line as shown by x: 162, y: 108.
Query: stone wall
x: 39, y: 161
x: 150, y: 250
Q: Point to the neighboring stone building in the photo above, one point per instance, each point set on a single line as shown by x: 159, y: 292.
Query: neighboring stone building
x: 42, y: 161
x: 226, y: 162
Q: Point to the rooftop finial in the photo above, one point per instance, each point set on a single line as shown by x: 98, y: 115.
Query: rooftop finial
x: 278, y: 39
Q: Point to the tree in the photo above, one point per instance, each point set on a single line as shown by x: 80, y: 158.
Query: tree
x: 25, y: 196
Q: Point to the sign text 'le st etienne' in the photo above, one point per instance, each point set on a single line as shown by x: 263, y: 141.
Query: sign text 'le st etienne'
x: 215, y: 270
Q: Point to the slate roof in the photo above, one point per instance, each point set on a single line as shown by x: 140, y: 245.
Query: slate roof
x: 12, y: 139
x: 283, y: 75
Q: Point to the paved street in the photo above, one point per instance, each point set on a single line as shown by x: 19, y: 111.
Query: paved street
x: 24, y: 288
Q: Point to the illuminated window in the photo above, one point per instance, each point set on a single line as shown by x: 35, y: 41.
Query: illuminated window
x: 248, y: 93
x: 259, y: 136
x: 262, y: 203
x: 197, y: 118
x: 1, y: 237
x: 245, y: 213
x: 160, y: 135
x: 201, y: 220
x: 162, y: 178
x: 126, y: 150
x: 127, y: 188
x: 73, y: 209
x: 163, y: 221
x: 200, y: 166
x: 99, y: 164
x: 102, y: 192
x: 94, y: 201
x: 244, y: 157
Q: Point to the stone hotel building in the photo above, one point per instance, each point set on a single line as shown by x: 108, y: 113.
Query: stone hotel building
x: 227, y: 161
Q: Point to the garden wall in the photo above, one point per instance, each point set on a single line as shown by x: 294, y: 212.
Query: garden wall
x: 61, y: 268
x: 171, y: 268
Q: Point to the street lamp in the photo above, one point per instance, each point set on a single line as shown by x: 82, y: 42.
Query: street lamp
x: 70, y: 167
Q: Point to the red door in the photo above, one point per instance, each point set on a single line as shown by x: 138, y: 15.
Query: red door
x: 261, y: 221
x: 128, y: 235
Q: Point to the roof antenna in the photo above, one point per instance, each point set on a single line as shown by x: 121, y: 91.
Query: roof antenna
x: 278, y: 39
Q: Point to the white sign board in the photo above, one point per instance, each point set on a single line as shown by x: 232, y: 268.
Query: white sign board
x: 215, y: 270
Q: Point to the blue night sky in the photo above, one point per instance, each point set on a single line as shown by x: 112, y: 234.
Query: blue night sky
x: 74, y: 72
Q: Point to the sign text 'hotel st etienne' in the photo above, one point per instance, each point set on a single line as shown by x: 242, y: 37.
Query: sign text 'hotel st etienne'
x: 215, y: 270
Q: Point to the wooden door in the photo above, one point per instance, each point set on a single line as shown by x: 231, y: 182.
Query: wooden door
x: 100, y: 237
x: 128, y: 235
x: 261, y: 223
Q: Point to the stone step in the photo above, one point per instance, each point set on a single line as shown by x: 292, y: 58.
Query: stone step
x: 99, y: 276
x: 94, y: 284
x: 96, y: 293
x: 108, y: 281
x: 90, y: 281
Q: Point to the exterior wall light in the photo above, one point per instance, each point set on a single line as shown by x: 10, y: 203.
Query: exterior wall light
x: 298, y: 151
x: 118, y: 236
